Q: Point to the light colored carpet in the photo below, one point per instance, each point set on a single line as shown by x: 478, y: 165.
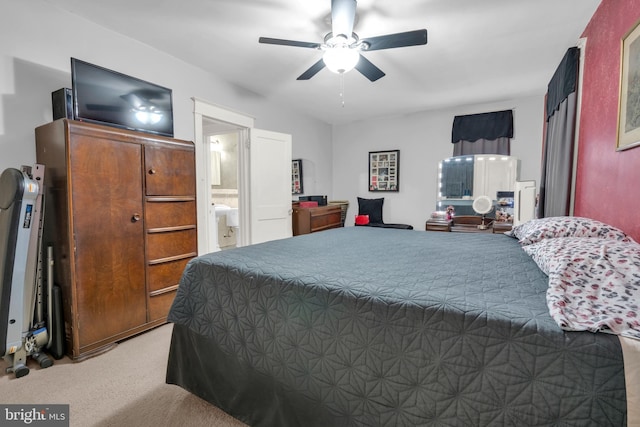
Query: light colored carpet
x: 122, y: 387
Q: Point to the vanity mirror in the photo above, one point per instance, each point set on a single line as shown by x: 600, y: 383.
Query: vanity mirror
x: 462, y: 179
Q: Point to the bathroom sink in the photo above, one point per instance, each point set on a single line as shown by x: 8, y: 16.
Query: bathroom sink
x: 229, y: 212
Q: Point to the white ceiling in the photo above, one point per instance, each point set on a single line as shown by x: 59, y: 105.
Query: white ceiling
x: 478, y: 51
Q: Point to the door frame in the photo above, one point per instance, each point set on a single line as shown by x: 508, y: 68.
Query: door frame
x: 244, y: 124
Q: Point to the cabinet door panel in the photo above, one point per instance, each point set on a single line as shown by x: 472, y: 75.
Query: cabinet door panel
x: 170, y: 171
x: 109, y: 253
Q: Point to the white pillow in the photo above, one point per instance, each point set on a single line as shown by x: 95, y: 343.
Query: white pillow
x: 565, y: 226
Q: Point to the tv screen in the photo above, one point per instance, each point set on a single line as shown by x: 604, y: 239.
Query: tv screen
x: 107, y: 97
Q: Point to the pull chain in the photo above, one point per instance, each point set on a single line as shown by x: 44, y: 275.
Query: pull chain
x: 342, y: 89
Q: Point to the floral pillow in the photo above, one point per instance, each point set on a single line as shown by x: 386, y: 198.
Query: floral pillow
x: 594, y: 284
x: 565, y: 226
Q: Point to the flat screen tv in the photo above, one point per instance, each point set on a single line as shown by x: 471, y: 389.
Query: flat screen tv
x: 107, y: 97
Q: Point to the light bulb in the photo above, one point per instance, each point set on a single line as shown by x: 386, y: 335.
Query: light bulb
x: 340, y: 59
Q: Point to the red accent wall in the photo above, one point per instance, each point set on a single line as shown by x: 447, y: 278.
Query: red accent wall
x: 608, y: 181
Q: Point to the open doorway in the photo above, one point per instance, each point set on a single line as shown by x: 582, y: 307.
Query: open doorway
x: 263, y: 173
x: 224, y: 219
x: 211, y: 122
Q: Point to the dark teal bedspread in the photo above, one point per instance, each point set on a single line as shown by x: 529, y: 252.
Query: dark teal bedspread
x: 382, y: 327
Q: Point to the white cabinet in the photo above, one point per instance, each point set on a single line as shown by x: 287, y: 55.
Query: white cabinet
x: 494, y: 173
x: 524, y: 202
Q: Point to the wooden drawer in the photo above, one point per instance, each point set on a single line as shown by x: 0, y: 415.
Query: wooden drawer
x: 438, y: 225
x: 166, y: 274
x: 159, y: 214
x: 160, y: 304
x: 170, y: 244
x: 310, y: 220
x: 327, y: 218
x: 170, y: 171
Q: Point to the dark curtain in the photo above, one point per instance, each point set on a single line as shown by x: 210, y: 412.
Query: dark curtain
x: 485, y: 133
x: 557, y: 159
x: 483, y: 146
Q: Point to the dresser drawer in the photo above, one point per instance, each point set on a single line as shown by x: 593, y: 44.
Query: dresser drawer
x: 160, y: 304
x: 310, y: 220
x: 329, y: 218
x: 161, y: 214
x: 166, y: 274
x: 170, y: 244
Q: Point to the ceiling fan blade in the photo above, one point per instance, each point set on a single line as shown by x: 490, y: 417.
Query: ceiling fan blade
x: 410, y: 38
x: 343, y: 15
x: 369, y: 70
x: 294, y: 43
x: 312, y: 71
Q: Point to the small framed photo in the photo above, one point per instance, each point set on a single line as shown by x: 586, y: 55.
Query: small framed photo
x: 384, y: 170
x: 629, y: 108
x: 296, y: 177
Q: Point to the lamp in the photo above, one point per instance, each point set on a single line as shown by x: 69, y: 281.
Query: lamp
x: 340, y: 59
x: 338, y: 56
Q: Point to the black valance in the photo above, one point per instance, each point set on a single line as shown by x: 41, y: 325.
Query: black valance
x: 563, y: 81
x: 490, y: 126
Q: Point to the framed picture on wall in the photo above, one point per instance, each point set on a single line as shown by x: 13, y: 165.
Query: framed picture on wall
x: 384, y: 170
x: 629, y: 108
x: 296, y: 177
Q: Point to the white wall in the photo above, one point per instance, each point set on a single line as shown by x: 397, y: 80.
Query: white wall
x: 423, y: 140
x: 37, y: 41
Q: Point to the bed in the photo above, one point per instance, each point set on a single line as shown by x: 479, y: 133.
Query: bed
x: 362, y: 326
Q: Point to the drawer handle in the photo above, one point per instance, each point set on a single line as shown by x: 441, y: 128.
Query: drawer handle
x: 152, y: 171
x: 135, y: 217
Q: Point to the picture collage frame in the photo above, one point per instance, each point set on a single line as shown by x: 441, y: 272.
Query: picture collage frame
x: 384, y: 170
x: 296, y: 177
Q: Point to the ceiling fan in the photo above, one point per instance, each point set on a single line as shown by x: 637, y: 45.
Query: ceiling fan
x: 342, y: 47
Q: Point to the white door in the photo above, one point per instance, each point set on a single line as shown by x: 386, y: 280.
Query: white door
x: 270, y: 186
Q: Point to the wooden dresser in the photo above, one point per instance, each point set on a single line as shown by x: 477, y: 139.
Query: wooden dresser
x: 311, y: 220
x: 468, y: 224
x: 121, y: 217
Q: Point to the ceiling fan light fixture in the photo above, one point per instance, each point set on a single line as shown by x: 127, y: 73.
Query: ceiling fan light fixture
x: 342, y: 47
x: 340, y: 59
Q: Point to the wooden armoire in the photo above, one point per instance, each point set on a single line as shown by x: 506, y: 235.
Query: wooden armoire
x: 120, y: 213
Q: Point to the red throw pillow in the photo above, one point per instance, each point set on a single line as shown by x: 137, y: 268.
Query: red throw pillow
x: 362, y: 219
